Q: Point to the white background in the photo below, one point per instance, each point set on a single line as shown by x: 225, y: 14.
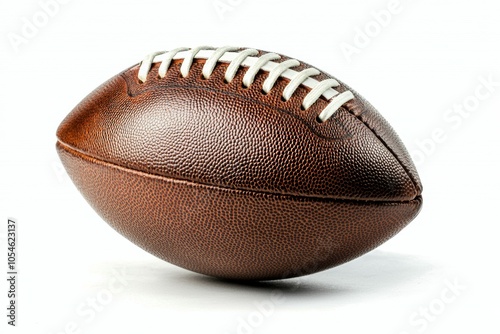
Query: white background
x: 429, y: 59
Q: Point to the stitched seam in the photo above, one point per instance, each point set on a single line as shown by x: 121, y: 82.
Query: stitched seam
x: 347, y: 135
x: 75, y: 152
x: 410, y: 176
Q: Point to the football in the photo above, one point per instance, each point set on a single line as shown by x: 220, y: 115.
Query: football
x: 239, y: 163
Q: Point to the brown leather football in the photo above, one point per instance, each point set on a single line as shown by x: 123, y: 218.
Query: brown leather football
x: 239, y: 163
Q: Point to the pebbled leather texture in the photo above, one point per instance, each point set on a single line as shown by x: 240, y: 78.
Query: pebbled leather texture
x: 231, y: 182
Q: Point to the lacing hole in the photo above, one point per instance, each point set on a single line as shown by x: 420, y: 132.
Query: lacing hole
x: 203, y: 77
x: 243, y: 86
x: 263, y: 92
x: 302, y: 108
x: 226, y: 82
x: 283, y: 99
x: 319, y: 120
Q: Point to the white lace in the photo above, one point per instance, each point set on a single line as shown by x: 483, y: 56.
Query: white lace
x: 248, y: 58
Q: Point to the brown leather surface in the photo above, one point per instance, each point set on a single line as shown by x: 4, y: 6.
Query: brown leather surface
x: 208, y: 174
x: 213, y: 133
x: 230, y: 233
